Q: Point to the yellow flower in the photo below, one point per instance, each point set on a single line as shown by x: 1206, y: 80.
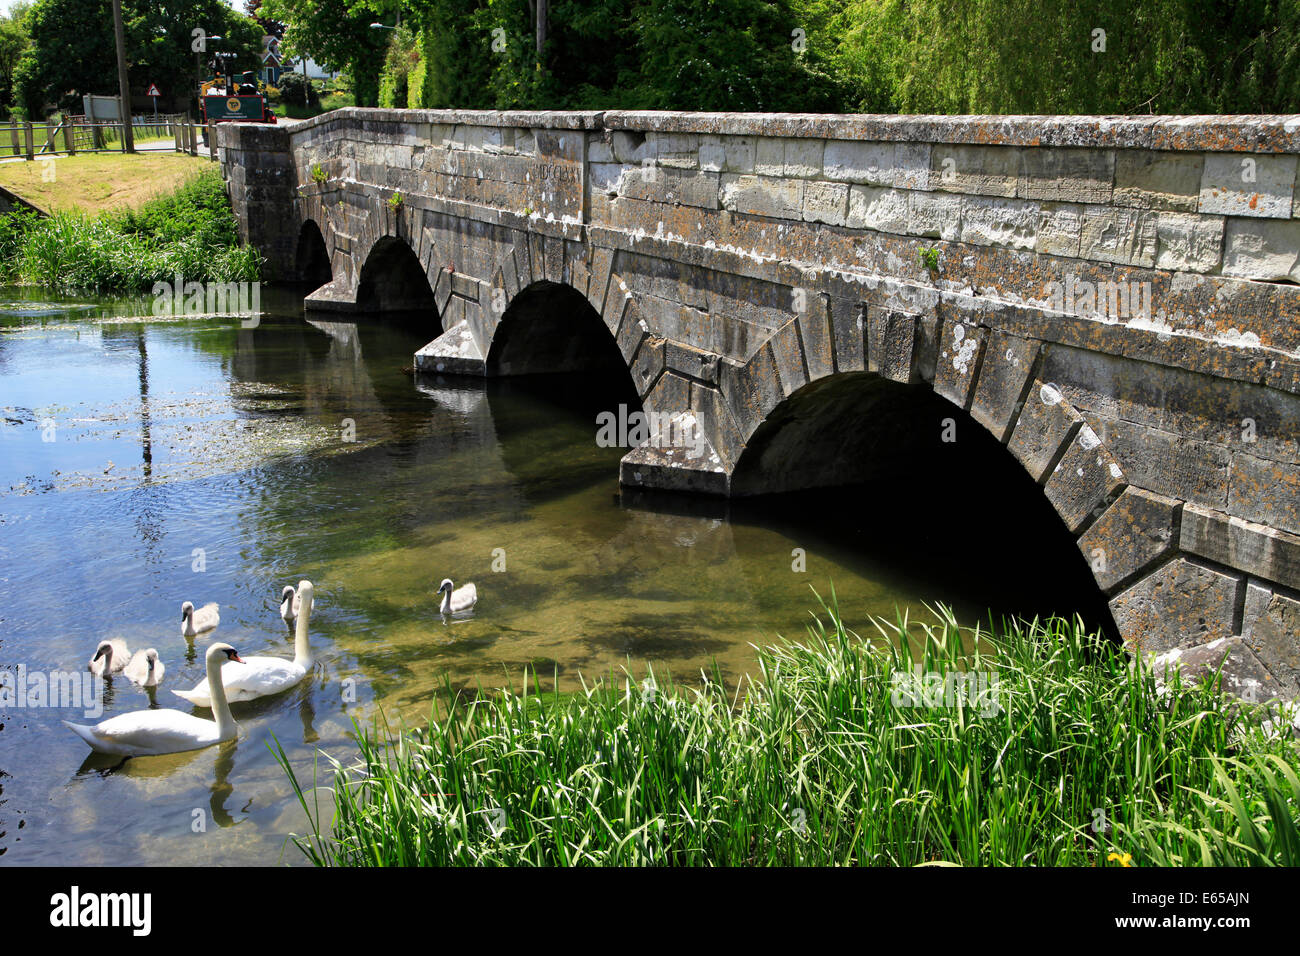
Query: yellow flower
x: 1124, y: 859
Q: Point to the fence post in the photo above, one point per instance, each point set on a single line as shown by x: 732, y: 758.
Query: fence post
x: 27, y: 141
x: 13, y: 137
x: 212, y: 141
x: 50, y: 143
x: 69, y: 136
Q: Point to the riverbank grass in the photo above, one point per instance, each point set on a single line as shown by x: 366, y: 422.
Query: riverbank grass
x: 1062, y: 754
x: 102, y: 182
x: 189, y: 232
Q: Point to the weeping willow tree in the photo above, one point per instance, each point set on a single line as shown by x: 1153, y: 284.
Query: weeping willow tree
x: 1070, y: 56
x: 932, y: 56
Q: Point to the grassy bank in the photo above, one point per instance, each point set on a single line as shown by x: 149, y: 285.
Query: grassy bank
x: 100, y: 182
x: 818, y: 762
x: 189, y: 231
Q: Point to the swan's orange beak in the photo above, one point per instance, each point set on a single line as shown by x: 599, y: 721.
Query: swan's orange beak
x: 236, y: 657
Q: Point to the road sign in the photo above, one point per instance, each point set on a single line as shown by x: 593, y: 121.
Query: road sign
x: 153, y: 90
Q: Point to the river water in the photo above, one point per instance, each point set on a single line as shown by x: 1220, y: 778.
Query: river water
x: 147, y: 461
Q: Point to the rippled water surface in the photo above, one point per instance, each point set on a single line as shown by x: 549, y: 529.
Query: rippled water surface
x: 145, y: 462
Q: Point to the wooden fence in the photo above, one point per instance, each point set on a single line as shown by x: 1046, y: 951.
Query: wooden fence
x: 76, y: 134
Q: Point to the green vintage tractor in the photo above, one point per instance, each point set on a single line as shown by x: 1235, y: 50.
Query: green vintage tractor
x: 233, y: 99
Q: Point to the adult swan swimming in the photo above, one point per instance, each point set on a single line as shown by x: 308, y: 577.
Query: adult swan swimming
x: 262, y: 675
x: 145, y: 732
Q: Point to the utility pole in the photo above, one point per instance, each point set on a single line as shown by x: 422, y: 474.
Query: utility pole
x: 123, y: 83
x: 541, y: 25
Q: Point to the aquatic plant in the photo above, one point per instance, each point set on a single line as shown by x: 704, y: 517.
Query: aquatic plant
x: 834, y: 754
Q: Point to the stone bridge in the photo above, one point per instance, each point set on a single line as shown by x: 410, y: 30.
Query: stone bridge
x: 1113, y: 300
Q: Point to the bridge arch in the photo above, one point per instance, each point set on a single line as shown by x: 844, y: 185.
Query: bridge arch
x: 312, y: 260
x: 393, y: 280
x: 907, y: 465
x: 550, y: 327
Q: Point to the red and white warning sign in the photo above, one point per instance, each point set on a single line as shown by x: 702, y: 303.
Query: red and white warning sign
x: 153, y: 90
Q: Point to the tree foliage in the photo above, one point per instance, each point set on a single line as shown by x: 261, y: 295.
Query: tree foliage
x: 66, y: 55
x: 337, y: 34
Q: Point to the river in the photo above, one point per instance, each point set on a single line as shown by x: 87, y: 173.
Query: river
x: 147, y: 460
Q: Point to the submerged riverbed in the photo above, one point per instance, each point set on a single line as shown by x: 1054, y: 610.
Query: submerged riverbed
x: 147, y: 461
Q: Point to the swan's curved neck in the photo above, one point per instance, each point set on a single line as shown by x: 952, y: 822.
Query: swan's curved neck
x: 301, y: 646
x: 446, y: 601
x: 217, y: 692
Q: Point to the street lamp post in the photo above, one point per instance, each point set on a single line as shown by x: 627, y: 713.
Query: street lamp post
x: 198, y: 66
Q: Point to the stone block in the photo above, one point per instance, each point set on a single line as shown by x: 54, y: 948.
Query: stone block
x: 848, y: 326
x: 959, y: 355
x: 815, y: 332
x: 892, y: 345
x: 1059, y: 229
x: 686, y: 187
x: 1158, y: 180
x: 1245, y: 545
x: 1120, y: 235
x: 647, y: 364
x: 1046, y: 424
x: 1230, y: 661
x: 1188, y: 243
x: 787, y: 349
x: 1179, y: 605
x: 1004, y: 373
x: 803, y: 157
x: 1266, y: 491
x: 825, y: 202
x: 751, y: 390
x: 1275, y: 639
x: 672, y: 393
x: 763, y: 196
x: 933, y: 215
x: 1066, y: 175
x: 1133, y: 534
x: 1262, y: 250
x: 676, y: 150
x: 631, y: 147
x: 599, y: 151
x: 1085, y: 481
x: 713, y: 155
x: 901, y: 165
x: 769, y: 156
x: 1256, y: 185
x: 975, y: 170
x: 878, y: 208
x: 738, y: 154
x: 1012, y: 223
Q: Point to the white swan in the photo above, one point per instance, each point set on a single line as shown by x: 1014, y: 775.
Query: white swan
x: 143, y: 732
x: 458, y: 601
x: 196, y: 622
x: 262, y: 675
x: 110, y: 657
x: 145, y: 668
x: 290, y: 604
